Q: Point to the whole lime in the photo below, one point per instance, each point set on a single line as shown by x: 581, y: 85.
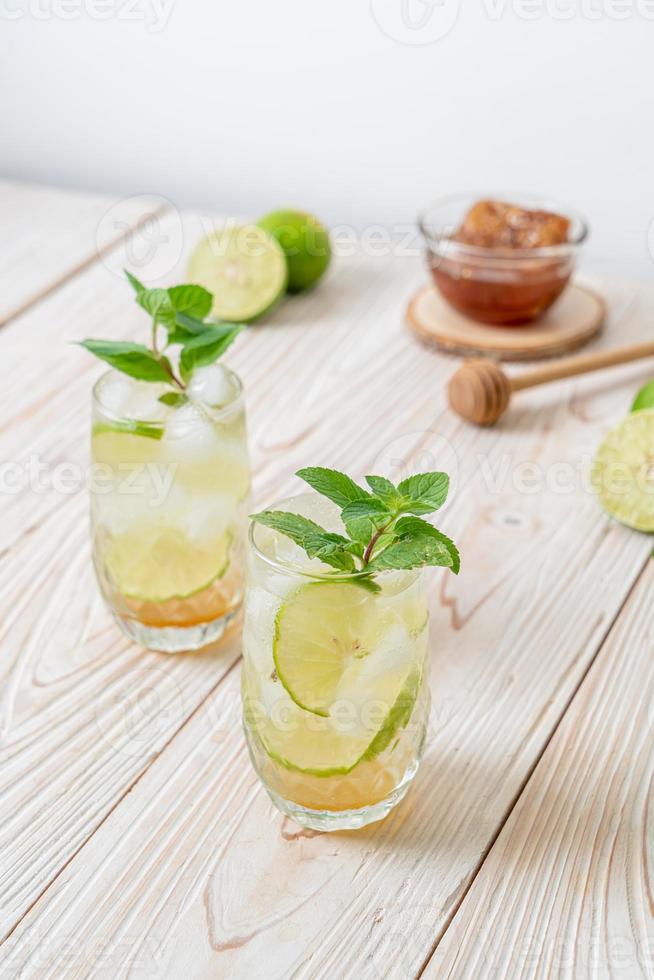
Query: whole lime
x: 305, y: 242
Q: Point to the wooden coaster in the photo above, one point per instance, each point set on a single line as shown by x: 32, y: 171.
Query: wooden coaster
x: 575, y: 318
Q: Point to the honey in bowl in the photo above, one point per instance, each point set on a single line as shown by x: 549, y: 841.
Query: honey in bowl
x: 504, y: 264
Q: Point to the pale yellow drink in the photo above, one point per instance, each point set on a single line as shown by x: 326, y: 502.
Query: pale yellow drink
x: 169, y: 492
x: 335, y: 686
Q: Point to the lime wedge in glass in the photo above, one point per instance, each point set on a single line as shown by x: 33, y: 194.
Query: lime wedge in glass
x: 156, y: 564
x: 623, y: 471
x: 326, y: 747
x: 321, y: 632
x: 244, y: 267
x: 352, y: 672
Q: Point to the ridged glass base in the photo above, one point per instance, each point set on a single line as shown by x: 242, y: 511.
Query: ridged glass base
x: 174, y: 639
x: 328, y: 820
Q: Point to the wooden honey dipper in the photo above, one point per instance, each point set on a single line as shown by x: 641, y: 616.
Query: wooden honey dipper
x: 480, y: 391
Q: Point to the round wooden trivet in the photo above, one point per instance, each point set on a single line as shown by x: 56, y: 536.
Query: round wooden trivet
x: 575, y: 318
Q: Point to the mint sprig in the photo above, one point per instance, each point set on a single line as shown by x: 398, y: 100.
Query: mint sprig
x: 644, y: 399
x: 181, y: 312
x: 384, y: 524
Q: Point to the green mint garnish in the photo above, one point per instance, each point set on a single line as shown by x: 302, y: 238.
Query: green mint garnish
x: 181, y: 312
x: 644, y: 398
x: 133, y: 359
x: 207, y: 347
x: 383, y: 525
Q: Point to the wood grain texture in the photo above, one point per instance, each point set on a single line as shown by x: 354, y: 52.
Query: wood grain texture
x: 567, y: 889
x: 67, y: 676
x: 47, y: 235
x: 193, y: 866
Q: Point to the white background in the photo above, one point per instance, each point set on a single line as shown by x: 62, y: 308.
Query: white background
x: 349, y: 108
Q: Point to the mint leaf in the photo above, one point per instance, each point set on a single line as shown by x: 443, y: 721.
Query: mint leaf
x: 173, y: 398
x: 194, y: 300
x: 155, y: 302
x: 414, y: 527
x: 385, y: 529
x: 136, y: 284
x: 383, y: 541
x: 644, y: 398
x: 361, y: 530
x: 338, y: 487
x: 189, y: 306
x: 426, y: 492
x: 207, y: 347
x: 315, y: 540
x: 185, y: 328
x: 385, y: 490
x: 373, y: 508
x: 412, y: 553
x: 133, y: 359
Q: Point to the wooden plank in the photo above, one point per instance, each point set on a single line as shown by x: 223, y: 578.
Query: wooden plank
x: 49, y: 235
x: 208, y: 866
x: 566, y: 890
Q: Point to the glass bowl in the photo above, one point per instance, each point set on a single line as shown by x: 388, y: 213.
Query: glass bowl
x: 501, y: 286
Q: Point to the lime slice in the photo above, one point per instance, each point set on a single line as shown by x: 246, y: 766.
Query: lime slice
x: 347, y: 673
x: 320, y: 633
x: 320, y: 748
x: 144, y: 429
x: 245, y: 269
x: 306, y: 245
x: 156, y: 564
x: 623, y: 471
x: 222, y: 467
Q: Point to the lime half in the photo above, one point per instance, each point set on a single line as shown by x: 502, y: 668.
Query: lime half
x: 623, y: 471
x: 245, y: 269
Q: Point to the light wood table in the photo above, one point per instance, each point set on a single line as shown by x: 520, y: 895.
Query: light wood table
x: 135, y: 840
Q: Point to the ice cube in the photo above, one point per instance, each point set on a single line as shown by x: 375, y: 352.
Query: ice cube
x: 126, y: 398
x: 190, y: 432
x: 212, y: 385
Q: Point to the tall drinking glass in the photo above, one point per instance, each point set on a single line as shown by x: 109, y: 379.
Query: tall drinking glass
x: 169, y: 494
x: 335, y: 686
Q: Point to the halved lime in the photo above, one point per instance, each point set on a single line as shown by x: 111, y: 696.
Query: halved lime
x: 623, y: 471
x: 321, y: 632
x: 156, y: 564
x: 245, y: 269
